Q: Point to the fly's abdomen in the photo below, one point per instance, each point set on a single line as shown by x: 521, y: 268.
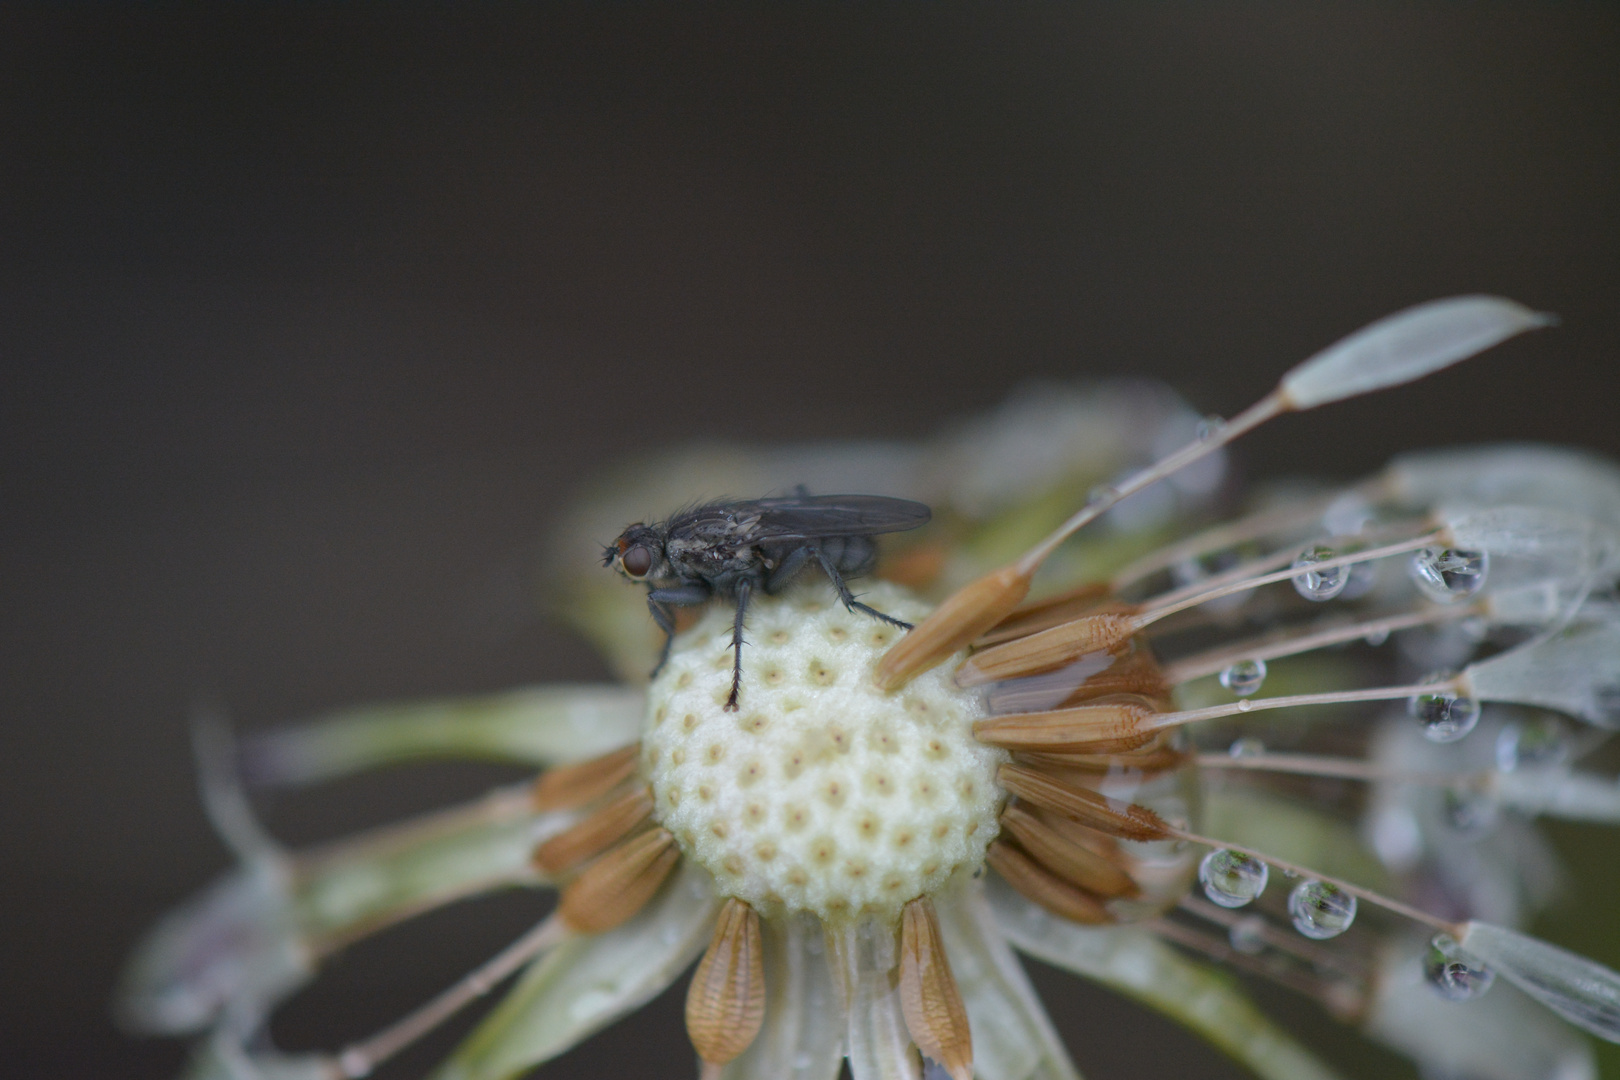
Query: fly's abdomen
x: 852, y: 556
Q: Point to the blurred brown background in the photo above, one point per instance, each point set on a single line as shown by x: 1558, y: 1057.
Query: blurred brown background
x: 311, y: 316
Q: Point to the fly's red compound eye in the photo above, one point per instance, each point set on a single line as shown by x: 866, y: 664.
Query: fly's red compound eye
x: 637, y: 561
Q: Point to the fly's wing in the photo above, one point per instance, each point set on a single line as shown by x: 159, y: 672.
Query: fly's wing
x: 805, y: 517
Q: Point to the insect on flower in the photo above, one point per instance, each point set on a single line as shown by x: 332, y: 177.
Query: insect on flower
x: 852, y: 856
x: 733, y: 549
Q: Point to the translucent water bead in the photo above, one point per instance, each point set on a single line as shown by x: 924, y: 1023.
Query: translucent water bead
x: 1448, y: 574
x: 1231, y: 878
x: 1321, y: 910
x: 1470, y: 811
x: 1319, y: 585
x: 1453, y: 975
x: 1246, y: 747
x: 1531, y: 744
x: 1445, y: 716
x: 1248, y: 935
x: 1244, y: 677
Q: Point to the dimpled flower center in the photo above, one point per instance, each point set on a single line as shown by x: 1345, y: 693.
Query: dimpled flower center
x: 821, y: 793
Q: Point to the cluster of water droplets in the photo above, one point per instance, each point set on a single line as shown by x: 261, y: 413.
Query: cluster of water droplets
x: 1446, y: 575
x: 1232, y: 878
x: 1454, y: 975
x: 1320, y: 909
x: 1446, y: 716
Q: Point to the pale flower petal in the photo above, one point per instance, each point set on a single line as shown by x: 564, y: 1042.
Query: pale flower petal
x: 1139, y: 965
x: 1501, y: 1036
x: 233, y: 949
x: 586, y: 983
x: 1012, y: 1037
x: 223, y: 1057
x: 803, y: 1034
x: 537, y: 725
x: 865, y: 960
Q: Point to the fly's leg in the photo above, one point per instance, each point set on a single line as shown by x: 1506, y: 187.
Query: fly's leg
x: 785, y: 570
x: 658, y: 601
x: 848, y: 597
x: 743, y: 592
x: 666, y: 623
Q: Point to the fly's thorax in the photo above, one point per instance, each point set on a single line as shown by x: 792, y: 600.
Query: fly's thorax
x: 822, y: 793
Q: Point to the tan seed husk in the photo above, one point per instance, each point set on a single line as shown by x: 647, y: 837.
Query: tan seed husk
x: 1084, y: 729
x: 1133, y: 822
x: 929, y: 998
x: 615, y: 820
x: 578, y: 784
x: 1147, y: 760
x: 616, y: 886
x: 964, y: 615
x: 1047, y: 649
x: 1136, y: 673
x: 725, y: 1004
x: 1055, y: 895
x: 1068, y: 860
x: 1044, y: 614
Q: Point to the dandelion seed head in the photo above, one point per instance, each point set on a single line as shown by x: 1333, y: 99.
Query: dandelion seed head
x: 827, y: 795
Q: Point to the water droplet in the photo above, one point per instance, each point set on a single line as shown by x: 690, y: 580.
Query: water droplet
x: 1321, y: 910
x: 1445, y: 716
x: 1231, y: 878
x: 1319, y: 585
x: 1469, y: 810
x: 1248, y: 746
x: 1188, y: 571
x: 1210, y: 426
x: 1363, y: 579
x: 1447, y: 574
x: 1531, y: 744
x: 1377, y: 637
x: 1247, y: 935
x: 1103, y: 493
x: 1244, y: 677
x: 1453, y: 976
x: 1245, y: 705
x: 1605, y: 709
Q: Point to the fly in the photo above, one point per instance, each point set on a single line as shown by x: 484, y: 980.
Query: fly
x: 733, y: 549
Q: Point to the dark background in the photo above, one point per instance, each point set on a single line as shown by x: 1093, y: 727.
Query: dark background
x: 310, y: 317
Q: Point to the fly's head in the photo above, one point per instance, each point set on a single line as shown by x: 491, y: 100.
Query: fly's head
x: 638, y: 554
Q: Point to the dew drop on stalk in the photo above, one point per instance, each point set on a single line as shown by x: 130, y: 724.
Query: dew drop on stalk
x: 1246, y: 747
x: 1247, y: 935
x: 1231, y: 878
x: 1244, y: 677
x: 1470, y: 811
x: 1321, y: 910
x: 1319, y: 585
x: 1449, y: 574
x: 1454, y: 976
x: 1102, y: 493
x: 1363, y: 579
x: 1445, y: 716
x: 1605, y: 706
x: 1530, y: 744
